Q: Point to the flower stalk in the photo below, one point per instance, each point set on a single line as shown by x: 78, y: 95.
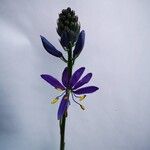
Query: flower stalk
x: 72, y: 41
x: 63, y: 120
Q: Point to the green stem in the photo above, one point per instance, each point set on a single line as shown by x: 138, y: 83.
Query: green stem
x: 63, y: 120
x: 62, y: 132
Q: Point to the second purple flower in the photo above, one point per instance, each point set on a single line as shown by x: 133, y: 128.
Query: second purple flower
x: 74, y: 87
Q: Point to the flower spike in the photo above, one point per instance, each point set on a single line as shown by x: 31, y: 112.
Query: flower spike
x: 72, y: 41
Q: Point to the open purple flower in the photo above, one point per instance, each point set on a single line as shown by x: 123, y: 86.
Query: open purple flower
x: 74, y: 87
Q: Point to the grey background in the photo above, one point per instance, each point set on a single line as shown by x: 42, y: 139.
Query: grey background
x: 117, y: 51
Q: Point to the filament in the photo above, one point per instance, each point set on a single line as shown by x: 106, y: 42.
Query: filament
x: 82, y: 107
x: 61, y: 94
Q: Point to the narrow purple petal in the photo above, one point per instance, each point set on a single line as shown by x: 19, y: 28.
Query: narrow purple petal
x: 79, y: 44
x: 62, y: 107
x: 50, y: 48
x: 65, y: 77
x: 86, y: 90
x: 76, y: 76
x: 54, y: 82
x: 83, y: 81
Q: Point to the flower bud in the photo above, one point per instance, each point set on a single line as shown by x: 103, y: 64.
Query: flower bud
x: 68, y: 23
x: 50, y: 48
x: 79, y: 44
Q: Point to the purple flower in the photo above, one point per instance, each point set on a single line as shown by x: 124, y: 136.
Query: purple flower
x: 73, y: 86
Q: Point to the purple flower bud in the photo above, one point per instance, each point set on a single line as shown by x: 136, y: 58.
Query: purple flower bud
x: 68, y: 22
x: 79, y: 44
x: 50, y: 48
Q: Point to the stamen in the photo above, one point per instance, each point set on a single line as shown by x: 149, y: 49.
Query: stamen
x: 80, y: 97
x: 55, y: 100
x: 82, y: 107
x: 61, y: 94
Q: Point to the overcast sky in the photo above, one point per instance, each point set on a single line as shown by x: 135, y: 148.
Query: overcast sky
x: 117, y: 52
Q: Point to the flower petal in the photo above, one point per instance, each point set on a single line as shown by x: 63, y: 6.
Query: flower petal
x: 50, y: 48
x: 65, y: 78
x: 63, y: 107
x: 54, y: 82
x: 76, y: 76
x: 79, y: 44
x: 86, y: 90
x: 83, y: 81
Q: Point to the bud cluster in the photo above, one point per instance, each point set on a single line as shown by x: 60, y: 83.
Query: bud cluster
x: 68, y: 26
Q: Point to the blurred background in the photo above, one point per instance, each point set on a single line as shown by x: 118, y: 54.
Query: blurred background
x: 117, y: 51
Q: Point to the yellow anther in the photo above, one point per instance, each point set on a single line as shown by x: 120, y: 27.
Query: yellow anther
x: 82, y: 107
x: 82, y: 97
x: 55, y: 100
x: 59, y: 89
